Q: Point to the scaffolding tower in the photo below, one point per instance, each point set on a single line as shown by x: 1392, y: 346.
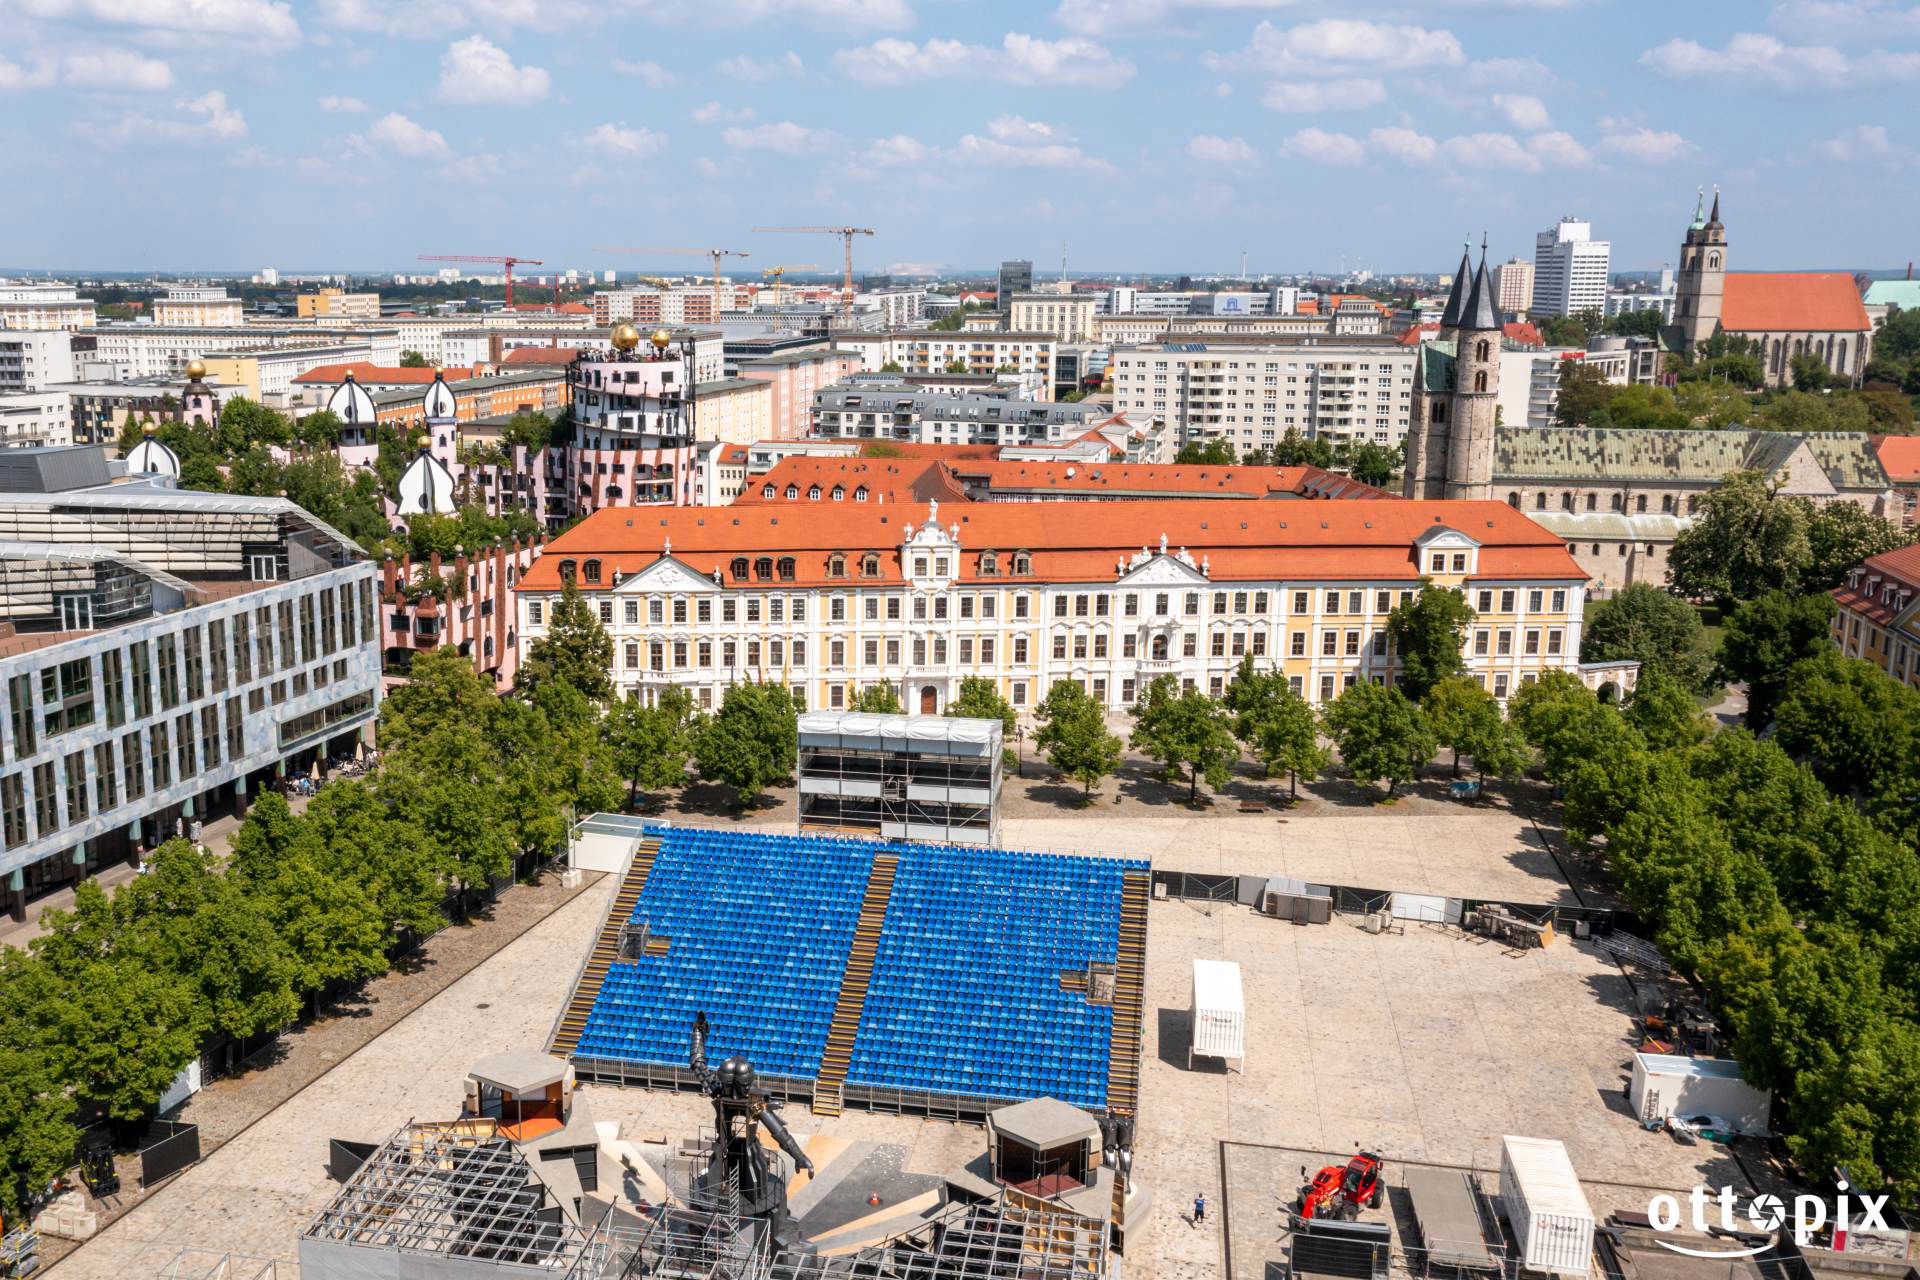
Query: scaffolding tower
x: 930, y: 778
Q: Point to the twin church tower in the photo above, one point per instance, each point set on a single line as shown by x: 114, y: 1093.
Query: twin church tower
x: 1456, y: 383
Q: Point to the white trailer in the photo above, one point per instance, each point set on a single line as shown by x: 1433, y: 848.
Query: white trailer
x: 1546, y: 1206
x: 1219, y: 1017
x: 1666, y: 1085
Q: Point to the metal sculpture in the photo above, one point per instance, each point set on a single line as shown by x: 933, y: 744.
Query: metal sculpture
x: 740, y: 1108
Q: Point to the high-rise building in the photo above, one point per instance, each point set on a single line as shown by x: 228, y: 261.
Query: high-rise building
x: 1570, y: 269
x: 1016, y: 276
x: 1513, y: 285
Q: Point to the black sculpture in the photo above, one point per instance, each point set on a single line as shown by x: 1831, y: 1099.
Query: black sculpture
x: 739, y: 1109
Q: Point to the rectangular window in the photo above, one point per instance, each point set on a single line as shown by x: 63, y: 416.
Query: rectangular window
x: 329, y: 635
x: 13, y: 805
x: 344, y: 611
x: 210, y: 736
x: 1259, y: 644
x: 1353, y: 644
x: 1130, y: 605
x: 1019, y: 651
x: 986, y: 651
x: 1020, y: 606
x: 606, y: 612
x: 1329, y: 643
x: 76, y: 788
x: 1506, y: 601
x: 1559, y: 602
x: 1218, y: 647
x: 1326, y: 688
x: 66, y: 696
x: 106, y: 782
x: 134, y: 770
x: 236, y: 736
x: 196, y: 664
x: 160, y: 756
x: 1059, y: 606
x: 1500, y: 684
x: 1298, y: 646
x: 1480, y: 643
x: 283, y: 614
x: 1504, y: 643
x: 306, y: 629
x: 113, y: 686
x: 704, y: 652
x: 1059, y: 647
x: 1553, y: 641
x: 46, y: 801
x: 1333, y: 602
x: 1019, y: 693
x: 1301, y: 603
x: 536, y: 613
x: 1534, y: 599
x: 217, y: 652
x: 1485, y: 604
x: 703, y: 610
x: 1356, y: 601
x: 169, y: 673
x: 183, y: 746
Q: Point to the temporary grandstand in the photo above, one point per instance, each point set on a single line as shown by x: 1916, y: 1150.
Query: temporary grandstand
x: 930, y: 778
x: 896, y: 977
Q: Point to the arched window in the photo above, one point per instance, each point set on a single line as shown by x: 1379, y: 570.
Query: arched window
x: 1439, y: 413
x: 1513, y: 500
x: 1480, y: 380
x: 1480, y: 352
x: 836, y: 565
x: 870, y: 565
x: 1640, y: 502
x: 839, y: 493
x: 1023, y: 562
x: 1666, y: 504
x: 813, y: 493
x: 1590, y: 502
x: 738, y: 568
x: 1566, y: 500
x: 1539, y: 502
x: 1841, y: 363
x: 1713, y: 262
x: 567, y: 569
x: 1159, y: 649
x: 763, y: 569
x: 1619, y: 502
x: 860, y: 494
x: 786, y: 568
x: 793, y: 491
x: 989, y: 564
x: 591, y: 571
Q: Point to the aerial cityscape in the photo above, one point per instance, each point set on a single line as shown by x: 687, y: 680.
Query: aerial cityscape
x: 911, y: 640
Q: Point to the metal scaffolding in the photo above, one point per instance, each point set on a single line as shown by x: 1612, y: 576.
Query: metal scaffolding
x: 901, y: 777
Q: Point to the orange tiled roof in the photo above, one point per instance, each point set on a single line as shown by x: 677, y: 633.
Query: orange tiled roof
x: 1901, y: 567
x: 1522, y: 332
x: 1792, y: 301
x: 564, y: 308
x: 1165, y: 480
x: 1900, y: 455
x: 366, y: 372
x: 1069, y: 541
x: 542, y: 355
x: 887, y: 480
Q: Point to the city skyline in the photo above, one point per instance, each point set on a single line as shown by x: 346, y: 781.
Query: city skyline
x: 1150, y: 135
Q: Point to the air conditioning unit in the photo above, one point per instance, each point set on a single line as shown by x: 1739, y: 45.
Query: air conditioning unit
x: 1375, y: 921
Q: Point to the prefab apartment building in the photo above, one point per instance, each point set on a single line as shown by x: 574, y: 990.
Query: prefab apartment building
x: 162, y: 652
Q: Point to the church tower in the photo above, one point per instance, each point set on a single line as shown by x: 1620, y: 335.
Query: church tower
x: 1703, y: 275
x: 1456, y: 391
x: 1476, y: 390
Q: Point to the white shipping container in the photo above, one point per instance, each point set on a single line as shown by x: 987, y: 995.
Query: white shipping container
x: 1666, y: 1085
x: 1219, y: 1016
x: 1545, y: 1204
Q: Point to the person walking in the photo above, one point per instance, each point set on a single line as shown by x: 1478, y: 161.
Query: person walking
x: 1200, y: 1209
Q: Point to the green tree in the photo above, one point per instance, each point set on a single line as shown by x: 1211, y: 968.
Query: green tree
x: 1841, y: 535
x: 1382, y: 735
x: 1466, y: 718
x: 955, y: 366
x: 1644, y: 408
x: 37, y: 1141
x: 447, y: 784
x: 1213, y: 452
x: 1749, y: 539
x: 652, y: 744
x: 1641, y: 623
x: 1810, y: 373
x: 1427, y: 633
x: 123, y: 1029
x: 1276, y: 725
x: 1185, y: 731
x: 1295, y: 450
x: 1073, y: 733
x: 892, y: 366
x: 1765, y: 637
x: 412, y: 360
x: 1583, y: 394
x: 442, y: 691
x: 576, y: 649
x: 879, y: 700
x: 1663, y: 711
x: 749, y: 744
x: 1858, y: 729
x: 1713, y: 404
x: 1374, y: 464
x: 979, y: 699
x: 386, y: 856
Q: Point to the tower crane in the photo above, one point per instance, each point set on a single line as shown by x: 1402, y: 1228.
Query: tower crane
x: 846, y: 234
x: 508, y: 262
x: 682, y: 252
x: 774, y: 273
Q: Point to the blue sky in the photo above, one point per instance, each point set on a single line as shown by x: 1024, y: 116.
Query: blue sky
x: 1147, y: 134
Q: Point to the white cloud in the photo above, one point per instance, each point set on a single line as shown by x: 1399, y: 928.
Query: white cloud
x: 627, y: 142
x: 1523, y: 110
x: 1026, y: 133
x: 652, y: 74
x: 435, y: 18
x: 895, y: 151
x: 261, y: 21
x: 1101, y: 17
x: 477, y: 72
x: 757, y: 70
x: 1019, y: 59
x: 14, y: 78
x: 785, y: 137
x: 1325, y: 148
x: 1215, y: 150
x: 207, y: 118
x: 1332, y: 46
x: 1489, y: 151
x: 1559, y: 150
x: 1647, y: 146
x: 1019, y: 142
x: 115, y: 69
x: 343, y: 106
x: 396, y: 133
x: 835, y: 15
x: 714, y: 113
x: 1867, y: 142
x: 1349, y: 94
x: 1751, y: 57
x: 1405, y: 145
x: 1515, y: 74
x: 1867, y: 20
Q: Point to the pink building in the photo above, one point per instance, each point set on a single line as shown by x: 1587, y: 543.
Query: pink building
x: 634, y: 423
x: 466, y: 603
x: 795, y: 376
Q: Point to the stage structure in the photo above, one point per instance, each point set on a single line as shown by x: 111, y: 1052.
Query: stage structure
x: 929, y: 778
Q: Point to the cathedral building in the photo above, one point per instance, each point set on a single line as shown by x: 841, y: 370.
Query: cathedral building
x: 1456, y: 389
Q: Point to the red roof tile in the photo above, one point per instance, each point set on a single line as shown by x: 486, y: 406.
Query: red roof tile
x: 886, y: 480
x: 1899, y: 567
x: 1900, y: 455
x: 1521, y: 332
x: 1792, y: 302
x: 1163, y: 480
x: 543, y: 355
x: 366, y: 372
x: 1069, y: 541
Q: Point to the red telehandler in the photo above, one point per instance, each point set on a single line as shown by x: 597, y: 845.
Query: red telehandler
x: 1339, y: 1193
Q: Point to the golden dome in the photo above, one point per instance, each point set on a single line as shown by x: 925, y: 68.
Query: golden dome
x: 196, y: 370
x: 660, y: 339
x: 625, y: 337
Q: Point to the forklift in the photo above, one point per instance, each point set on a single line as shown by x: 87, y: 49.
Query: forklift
x: 1339, y: 1192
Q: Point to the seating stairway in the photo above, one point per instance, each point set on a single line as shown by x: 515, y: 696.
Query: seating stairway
x: 828, y: 1088
x: 1129, y: 1010
x: 606, y: 949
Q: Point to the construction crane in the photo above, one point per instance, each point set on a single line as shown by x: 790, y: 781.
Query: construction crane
x: 774, y: 273
x: 682, y: 252
x: 846, y: 234
x: 508, y: 262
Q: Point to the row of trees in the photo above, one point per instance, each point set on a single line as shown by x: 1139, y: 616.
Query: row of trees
x: 1365, y: 461
x: 1586, y: 399
x: 1780, y: 872
x: 1749, y: 539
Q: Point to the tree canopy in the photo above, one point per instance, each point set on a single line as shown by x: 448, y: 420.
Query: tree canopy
x: 1185, y: 731
x: 1427, y: 633
x: 1642, y: 623
x: 749, y: 744
x: 1276, y: 725
x: 575, y: 650
x: 1383, y: 736
x: 1073, y: 734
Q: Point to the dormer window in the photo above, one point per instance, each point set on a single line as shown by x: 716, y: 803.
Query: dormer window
x: 836, y: 565
x: 870, y: 565
x: 919, y: 566
x: 1022, y: 563
x: 793, y: 491
x: 763, y: 569
x: 786, y: 569
x: 813, y: 493
x: 989, y: 564
x: 738, y: 568
x: 592, y: 571
x: 567, y: 570
x: 766, y: 491
x: 860, y: 494
x: 839, y: 493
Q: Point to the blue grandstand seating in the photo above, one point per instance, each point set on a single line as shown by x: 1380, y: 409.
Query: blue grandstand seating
x: 965, y: 998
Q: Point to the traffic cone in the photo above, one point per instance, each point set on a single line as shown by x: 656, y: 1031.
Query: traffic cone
x: 873, y: 1197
